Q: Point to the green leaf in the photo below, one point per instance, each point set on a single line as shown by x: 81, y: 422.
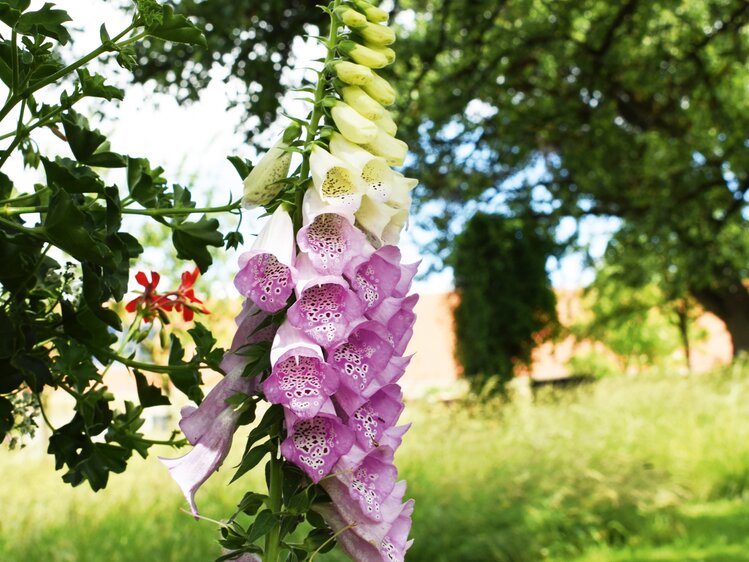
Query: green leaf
x: 72, y: 177
x: 316, y: 538
x: 187, y: 379
x: 151, y: 11
x: 74, y: 362
x: 65, y: 226
x: 241, y: 165
x: 149, y: 395
x: 176, y: 28
x: 251, y: 503
x: 93, y: 85
x: 6, y: 417
x: 89, y: 146
x: 191, y: 240
x: 47, y: 21
x: 263, y: 523
x: 10, y: 11
x: 145, y: 185
x: 250, y: 460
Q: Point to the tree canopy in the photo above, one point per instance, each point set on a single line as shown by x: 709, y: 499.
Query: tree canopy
x: 631, y: 109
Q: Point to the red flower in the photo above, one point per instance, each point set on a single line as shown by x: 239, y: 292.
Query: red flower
x: 151, y: 304
x: 186, y: 296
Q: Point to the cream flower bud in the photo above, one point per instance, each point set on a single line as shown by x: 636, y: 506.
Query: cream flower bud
x: 374, y: 217
x: 361, y: 102
x: 363, y: 55
x: 377, y: 34
x: 373, y: 13
x: 264, y: 182
x: 378, y: 89
x: 352, y: 125
x: 387, y: 52
x: 351, y: 18
x: 386, y: 123
x: 352, y: 73
x: 391, y: 149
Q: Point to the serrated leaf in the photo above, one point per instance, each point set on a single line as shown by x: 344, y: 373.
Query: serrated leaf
x: 191, y: 240
x: 251, y: 503
x: 176, y: 28
x: 46, y: 21
x: 148, y: 394
x: 151, y: 11
x: 6, y: 417
x: 93, y: 85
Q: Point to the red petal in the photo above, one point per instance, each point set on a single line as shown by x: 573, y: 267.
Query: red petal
x: 141, y: 278
x: 188, y: 314
x: 155, y: 277
x: 133, y: 304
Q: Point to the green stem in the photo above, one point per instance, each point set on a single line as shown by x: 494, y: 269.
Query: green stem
x: 273, y: 538
x: 10, y: 211
x: 39, y: 231
x: 150, y: 367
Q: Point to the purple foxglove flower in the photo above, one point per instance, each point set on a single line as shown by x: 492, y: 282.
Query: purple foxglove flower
x: 398, y: 317
x: 370, y: 421
x: 302, y: 383
x: 351, y: 400
x: 392, y: 255
x: 394, y: 370
x: 290, y: 340
x: 365, y: 541
x: 369, y: 480
x: 375, y: 278
x: 210, y: 429
x: 361, y: 356
x: 330, y: 241
x: 247, y: 333
x: 326, y: 310
x: 266, y: 274
x: 316, y: 444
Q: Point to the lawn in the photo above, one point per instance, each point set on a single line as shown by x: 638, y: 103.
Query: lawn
x: 645, y: 469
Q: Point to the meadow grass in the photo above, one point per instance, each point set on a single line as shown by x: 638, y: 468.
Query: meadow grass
x: 646, y: 469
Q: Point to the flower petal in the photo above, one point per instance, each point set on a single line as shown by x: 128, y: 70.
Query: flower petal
x: 316, y: 444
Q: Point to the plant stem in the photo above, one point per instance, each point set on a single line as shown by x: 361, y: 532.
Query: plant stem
x: 273, y: 538
x: 10, y: 211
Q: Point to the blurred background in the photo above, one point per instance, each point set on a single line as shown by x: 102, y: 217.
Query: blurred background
x: 579, y: 389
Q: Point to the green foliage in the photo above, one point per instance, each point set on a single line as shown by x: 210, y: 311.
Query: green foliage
x: 506, y: 305
x: 644, y: 468
x: 65, y: 250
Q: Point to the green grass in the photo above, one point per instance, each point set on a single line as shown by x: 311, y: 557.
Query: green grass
x: 644, y: 469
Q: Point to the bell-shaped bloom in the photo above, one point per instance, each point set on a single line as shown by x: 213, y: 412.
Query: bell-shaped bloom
x: 352, y: 125
x: 377, y: 88
x: 361, y: 539
x: 210, y: 428
x: 362, y: 55
x: 361, y: 356
x: 379, y: 180
x: 330, y: 242
x: 370, y: 421
x: 362, y: 103
x: 265, y: 180
x: 350, y: 400
x: 352, y: 73
x: 266, y: 274
x: 316, y: 444
x: 377, y: 34
x: 326, y: 311
x: 301, y: 382
x: 376, y: 277
x: 251, y: 329
x: 370, y: 479
x: 291, y: 340
x: 391, y: 149
x: 335, y: 181
x: 391, y: 233
x: 375, y: 217
x: 397, y: 315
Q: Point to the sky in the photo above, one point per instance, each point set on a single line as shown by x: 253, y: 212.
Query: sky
x: 192, y: 142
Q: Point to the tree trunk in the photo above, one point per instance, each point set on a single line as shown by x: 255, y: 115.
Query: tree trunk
x: 730, y: 303
x: 682, y: 316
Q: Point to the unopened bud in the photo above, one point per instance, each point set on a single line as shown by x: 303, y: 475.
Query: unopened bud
x: 351, y: 18
x: 352, y: 125
x: 363, y: 55
x: 377, y: 34
x: 387, y: 52
x: 265, y: 180
x: 386, y: 123
x: 373, y: 13
x: 361, y: 102
x: 352, y: 73
x: 379, y: 89
x: 391, y: 149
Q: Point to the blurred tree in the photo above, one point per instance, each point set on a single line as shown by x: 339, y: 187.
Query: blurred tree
x: 507, y: 306
x: 630, y: 109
